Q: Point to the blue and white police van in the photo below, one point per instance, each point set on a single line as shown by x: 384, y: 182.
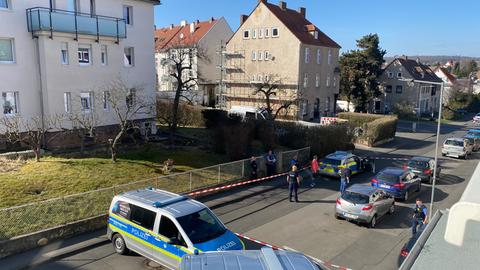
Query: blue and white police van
x: 164, y: 226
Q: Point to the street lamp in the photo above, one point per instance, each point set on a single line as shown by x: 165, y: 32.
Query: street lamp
x: 436, y: 141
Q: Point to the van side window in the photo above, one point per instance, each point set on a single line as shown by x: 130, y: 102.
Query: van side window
x: 142, y: 217
x: 167, y: 228
x: 122, y: 209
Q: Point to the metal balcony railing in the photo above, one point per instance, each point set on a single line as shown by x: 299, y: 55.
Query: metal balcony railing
x: 57, y: 20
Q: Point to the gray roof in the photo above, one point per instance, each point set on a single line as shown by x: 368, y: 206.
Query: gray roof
x: 174, y: 204
x: 362, y: 189
x: 417, y: 70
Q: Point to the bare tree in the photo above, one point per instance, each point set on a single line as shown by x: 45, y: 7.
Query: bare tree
x: 181, y: 61
x: 271, y: 87
x: 33, y: 133
x: 127, y: 104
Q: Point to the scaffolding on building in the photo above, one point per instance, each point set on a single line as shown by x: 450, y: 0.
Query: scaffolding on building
x: 231, y: 63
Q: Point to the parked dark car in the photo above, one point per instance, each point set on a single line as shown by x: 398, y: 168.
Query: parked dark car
x: 423, y: 168
x: 398, y: 182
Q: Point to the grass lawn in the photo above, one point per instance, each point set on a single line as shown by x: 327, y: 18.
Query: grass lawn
x: 54, y: 177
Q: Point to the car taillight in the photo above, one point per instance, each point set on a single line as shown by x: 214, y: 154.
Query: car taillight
x: 404, y: 253
x: 367, y: 208
x: 427, y: 171
x: 405, y: 167
x: 400, y: 185
x: 374, y: 181
x: 338, y: 201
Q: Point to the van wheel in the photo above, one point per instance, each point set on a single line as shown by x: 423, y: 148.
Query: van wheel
x: 119, y: 244
x: 373, y: 222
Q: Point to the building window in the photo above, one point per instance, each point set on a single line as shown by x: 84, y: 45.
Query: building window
x: 319, y: 55
x: 390, y: 75
x: 254, y: 33
x: 6, y: 50
x: 329, y: 57
x: 307, y: 55
x: 399, y: 75
x: 328, y: 81
x: 305, y: 107
x: 434, y: 90
x: 334, y: 81
x: 10, y: 103
x: 267, y: 32
x: 105, y: 100
x: 260, y: 78
x: 4, y: 4
x: 267, y: 55
x: 103, y: 55
x: 254, y: 78
x: 64, y: 53
x: 128, y: 14
x: 84, y: 56
x: 246, y: 34
x: 67, y: 102
x: 260, y: 55
x: 260, y: 33
x: 399, y: 89
x: 388, y: 89
x: 254, y: 56
x: 305, y: 80
x: 129, y: 59
x: 86, y: 102
x: 131, y: 98
x: 317, y: 80
x: 327, y: 104
x: 275, y: 32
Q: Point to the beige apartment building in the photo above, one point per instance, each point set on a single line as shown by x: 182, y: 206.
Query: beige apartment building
x: 278, y: 44
x: 206, y: 36
x: 57, y: 55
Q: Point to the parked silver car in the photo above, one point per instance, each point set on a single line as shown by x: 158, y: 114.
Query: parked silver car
x: 456, y: 147
x: 364, y: 204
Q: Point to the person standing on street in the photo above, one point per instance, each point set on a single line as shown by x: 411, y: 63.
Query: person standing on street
x: 419, y: 216
x: 293, y: 180
x: 271, y: 162
x: 343, y: 179
x: 314, y: 167
x: 254, y: 168
x: 348, y: 175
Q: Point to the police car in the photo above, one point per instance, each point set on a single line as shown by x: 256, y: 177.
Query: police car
x: 333, y: 163
x: 164, y: 226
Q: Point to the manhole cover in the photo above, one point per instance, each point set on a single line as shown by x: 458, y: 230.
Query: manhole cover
x: 149, y: 264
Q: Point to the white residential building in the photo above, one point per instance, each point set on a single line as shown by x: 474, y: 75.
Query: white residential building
x: 207, y: 36
x: 56, y: 55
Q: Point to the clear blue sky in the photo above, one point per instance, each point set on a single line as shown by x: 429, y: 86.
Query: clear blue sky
x: 411, y: 27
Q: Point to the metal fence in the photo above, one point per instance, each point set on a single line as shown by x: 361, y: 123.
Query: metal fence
x: 36, y: 216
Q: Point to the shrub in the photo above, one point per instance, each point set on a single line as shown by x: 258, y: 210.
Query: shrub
x: 358, y: 119
x: 404, y: 110
x: 375, y: 127
x: 188, y: 115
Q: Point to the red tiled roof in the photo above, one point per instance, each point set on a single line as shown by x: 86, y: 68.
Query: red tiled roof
x: 180, y: 35
x: 297, y: 24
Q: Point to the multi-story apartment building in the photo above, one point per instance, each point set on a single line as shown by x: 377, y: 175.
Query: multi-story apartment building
x: 278, y: 44
x: 57, y: 55
x: 203, y: 40
x: 449, y: 81
x: 411, y: 82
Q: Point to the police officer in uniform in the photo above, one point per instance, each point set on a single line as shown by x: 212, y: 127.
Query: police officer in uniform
x: 419, y: 216
x: 343, y: 179
x: 293, y: 180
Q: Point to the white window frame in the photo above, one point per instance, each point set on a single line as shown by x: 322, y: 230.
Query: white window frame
x: 67, y: 102
x: 254, y: 33
x: 315, y: 35
x: 390, y: 75
x: 260, y: 33
x: 267, y: 32
x: 16, y: 100
x: 267, y: 56
x: 317, y: 80
x: 12, y: 46
x: 129, y: 9
x: 278, y: 32
x: 81, y: 55
x: 328, y: 81
x: 64, y: 57
x: 260, y: 77
x: 334, y: 81
x: 9, y: 5
x: 88, y: 97
x: 130, y: 63
x: 319, y: 56
x: 132, y: 93
x: 399, y: 75
x: 305, y: 80
x: 329, y: 56
x: 305, y: 107
x: 254, y: 55
x: 104, y: 55
x: 307, y: 55
x: 254, y: 78
x: 260, y: 55
x: 246, y: 32
x: 105, y: 100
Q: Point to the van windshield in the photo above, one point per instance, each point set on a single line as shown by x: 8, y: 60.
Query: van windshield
x: 454, y: 143
x: 201, y: 226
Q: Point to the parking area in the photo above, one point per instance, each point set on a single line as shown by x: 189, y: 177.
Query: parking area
x: 262, y: 211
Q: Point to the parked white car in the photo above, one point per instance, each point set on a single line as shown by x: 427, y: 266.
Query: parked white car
x: 456, y: 147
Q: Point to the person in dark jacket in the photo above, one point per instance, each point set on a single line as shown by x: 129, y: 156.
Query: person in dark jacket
x: 293, y: 180
x: 419, y: 216
x: 271, y: 163
x: 254, y: 168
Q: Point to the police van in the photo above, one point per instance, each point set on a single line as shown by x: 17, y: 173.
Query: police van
x: 164, y: 226
x: 333, y: 163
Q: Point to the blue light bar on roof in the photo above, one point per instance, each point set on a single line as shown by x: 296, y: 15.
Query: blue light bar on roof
x: 169, y: 201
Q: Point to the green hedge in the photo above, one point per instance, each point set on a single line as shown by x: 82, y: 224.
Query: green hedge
x: 375, y: 128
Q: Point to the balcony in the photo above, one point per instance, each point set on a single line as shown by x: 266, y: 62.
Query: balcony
x: 56, y: 20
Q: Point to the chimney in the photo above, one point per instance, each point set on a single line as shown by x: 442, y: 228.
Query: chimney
x: 192, y: 27
x: 171, y: 26
x: 183, y: 23
x: 282, y: 5
x: 197, y: 22
x: 243, y: 18
x: 212, y: 19
x: 302, y: 11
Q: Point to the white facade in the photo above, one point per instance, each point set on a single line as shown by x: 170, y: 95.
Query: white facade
x: 52, y: 72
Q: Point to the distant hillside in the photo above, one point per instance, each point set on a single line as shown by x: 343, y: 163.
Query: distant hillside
x: 433, y: 59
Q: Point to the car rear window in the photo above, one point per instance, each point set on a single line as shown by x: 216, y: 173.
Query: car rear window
x: 454, y: 143
x: 417, y: 164
x: 386, y: 177
x: 335, y: 162
x: 355, y: 198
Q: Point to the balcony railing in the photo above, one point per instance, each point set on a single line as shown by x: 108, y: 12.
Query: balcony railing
x: 56, y: 20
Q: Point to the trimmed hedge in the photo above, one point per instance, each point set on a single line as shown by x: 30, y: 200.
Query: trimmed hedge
x: 376, y: 128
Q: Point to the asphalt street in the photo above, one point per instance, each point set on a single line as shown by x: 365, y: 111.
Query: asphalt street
x: 263, y: 211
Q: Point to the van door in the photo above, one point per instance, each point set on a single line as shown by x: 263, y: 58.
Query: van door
x: 141, y: 234
x: 168, y: 243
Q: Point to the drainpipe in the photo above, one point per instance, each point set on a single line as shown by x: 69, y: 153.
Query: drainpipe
x: 42, y: 109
